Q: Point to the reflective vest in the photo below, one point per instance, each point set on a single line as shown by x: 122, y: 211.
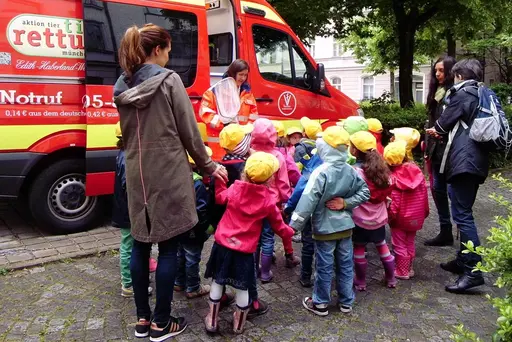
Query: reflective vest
x: 248, y: 113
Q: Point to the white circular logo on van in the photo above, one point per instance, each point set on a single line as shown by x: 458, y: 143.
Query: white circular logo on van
x: 287, y: 103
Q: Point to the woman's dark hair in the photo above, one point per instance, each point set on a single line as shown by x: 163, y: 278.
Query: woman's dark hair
x: 448, y: 63
x: 120, y: 143
x: 469, y: 69
x: 137, y: 45
x: 237, y: 66
x: 375, y: 168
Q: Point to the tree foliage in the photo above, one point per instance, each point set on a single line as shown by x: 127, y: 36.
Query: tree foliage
x: 396, y: 27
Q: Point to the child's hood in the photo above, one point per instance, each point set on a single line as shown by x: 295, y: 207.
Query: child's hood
x: 264, y: 135
x: 250, y: 197
x: 329, y: 154
x: 408, y: 176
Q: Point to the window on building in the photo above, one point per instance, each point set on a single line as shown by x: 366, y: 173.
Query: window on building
x: 102, y: 64
x: 418, y: 91
x: 337, y: 49
x: 368, y: 87
x: 336, y: 82
x: 279, y: 57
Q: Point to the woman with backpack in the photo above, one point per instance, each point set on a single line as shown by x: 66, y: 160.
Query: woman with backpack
x: 465, y: 165
x: 441, y: 81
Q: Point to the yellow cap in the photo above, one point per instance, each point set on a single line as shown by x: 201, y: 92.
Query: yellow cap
x: 208, y: 151
x: 233, y: 134
x: 279, y: 128
x: 364, y: 141
x: 293, y: 130
x: 311, y: 127
x: 260, y: 166
x: 374, y: 125
x: 394, y: 153
x: 335, y: 136
x: 410, y: 135
x: 119, y: 134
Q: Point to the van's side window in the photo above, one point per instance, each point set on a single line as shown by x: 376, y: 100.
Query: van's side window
x: 280, y: 58
x: 105, y: 24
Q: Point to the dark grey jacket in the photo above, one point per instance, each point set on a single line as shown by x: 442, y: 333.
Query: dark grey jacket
x: 464, y: 156
x: 159, y: 127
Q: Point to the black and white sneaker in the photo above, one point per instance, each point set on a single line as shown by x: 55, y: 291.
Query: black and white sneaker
x: 142, y: 328
x: 346, y: 309
x: 174, y: 327
x: 307, y: 302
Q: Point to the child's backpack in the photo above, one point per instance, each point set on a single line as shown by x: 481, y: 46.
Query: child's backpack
x: 309, y: 146
x: 490, y: 124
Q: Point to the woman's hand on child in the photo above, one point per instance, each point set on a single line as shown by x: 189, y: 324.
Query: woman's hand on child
x: 337, y: 203
x: 221, y: 173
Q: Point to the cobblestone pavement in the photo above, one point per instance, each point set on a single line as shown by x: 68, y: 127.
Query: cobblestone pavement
x: 22, y: 244
x: 79, y: 300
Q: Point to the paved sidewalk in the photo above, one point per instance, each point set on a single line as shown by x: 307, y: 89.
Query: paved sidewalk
x: 22, y: 244
x: 79, y: 300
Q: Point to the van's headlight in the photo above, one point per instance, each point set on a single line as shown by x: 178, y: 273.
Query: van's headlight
x: 360, y: 112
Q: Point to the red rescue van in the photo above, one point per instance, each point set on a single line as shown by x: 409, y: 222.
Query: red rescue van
x: 58, y: 63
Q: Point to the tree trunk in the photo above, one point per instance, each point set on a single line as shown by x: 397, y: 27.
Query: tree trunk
x: 392, y: 84
x: 406, y: 63
x: 451, y: 43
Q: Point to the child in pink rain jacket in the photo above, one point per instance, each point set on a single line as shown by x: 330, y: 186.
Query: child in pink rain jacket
x: 264, y: 138
x: 408, y: 208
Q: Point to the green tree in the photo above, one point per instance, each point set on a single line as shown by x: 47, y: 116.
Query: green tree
x: 406, y: 18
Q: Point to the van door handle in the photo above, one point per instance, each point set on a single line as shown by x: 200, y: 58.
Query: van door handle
x: 264, y: 99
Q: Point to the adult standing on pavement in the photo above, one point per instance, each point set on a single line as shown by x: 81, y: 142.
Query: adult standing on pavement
x: 159, y: 127
x: 467, y: 166
x: 441, y: 80
x: 211, y: 113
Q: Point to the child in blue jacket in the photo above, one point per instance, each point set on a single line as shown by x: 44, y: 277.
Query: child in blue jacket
x: 191, y: 244
x: 331, y: 224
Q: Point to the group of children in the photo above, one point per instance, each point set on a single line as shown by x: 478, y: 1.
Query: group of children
x: 339, y: 187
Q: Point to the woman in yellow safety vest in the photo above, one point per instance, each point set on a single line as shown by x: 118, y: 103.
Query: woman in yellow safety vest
x: 211, y: 116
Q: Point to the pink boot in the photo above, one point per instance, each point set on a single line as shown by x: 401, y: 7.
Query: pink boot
x: 402, y: 267
x: 152, y: 265
x: 411, y: 270
x: 389, y: 269
x: 360, y: 276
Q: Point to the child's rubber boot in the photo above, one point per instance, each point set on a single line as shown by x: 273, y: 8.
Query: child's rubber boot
x: 411, y: 269
x: 389, y: 271
x: 211, y: 322
x: 360, y: 268
x: 402, y: 267
x: 239, y: 318
x: 292, y: 260
x: 265, y: 272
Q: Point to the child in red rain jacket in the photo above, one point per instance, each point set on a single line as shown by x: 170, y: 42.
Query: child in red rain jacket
x: 248, y: 202
x: 408, y: 209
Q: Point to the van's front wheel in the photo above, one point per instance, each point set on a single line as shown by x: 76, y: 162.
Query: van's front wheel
x: 57, y: 199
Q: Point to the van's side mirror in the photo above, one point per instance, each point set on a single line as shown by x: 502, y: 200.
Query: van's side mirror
x: 319, y: 81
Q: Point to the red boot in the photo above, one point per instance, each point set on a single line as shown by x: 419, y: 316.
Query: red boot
x: 402, y: 267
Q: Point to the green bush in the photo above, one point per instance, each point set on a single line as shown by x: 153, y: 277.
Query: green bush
x: 496, y: 258
x: 504, y: 92
x: 393, y: 116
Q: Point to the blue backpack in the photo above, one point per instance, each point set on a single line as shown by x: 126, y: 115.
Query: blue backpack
x: 490, y: 124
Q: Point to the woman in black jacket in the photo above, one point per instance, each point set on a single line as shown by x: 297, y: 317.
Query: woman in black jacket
x: 466, y: 165
x: 441, y: 80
